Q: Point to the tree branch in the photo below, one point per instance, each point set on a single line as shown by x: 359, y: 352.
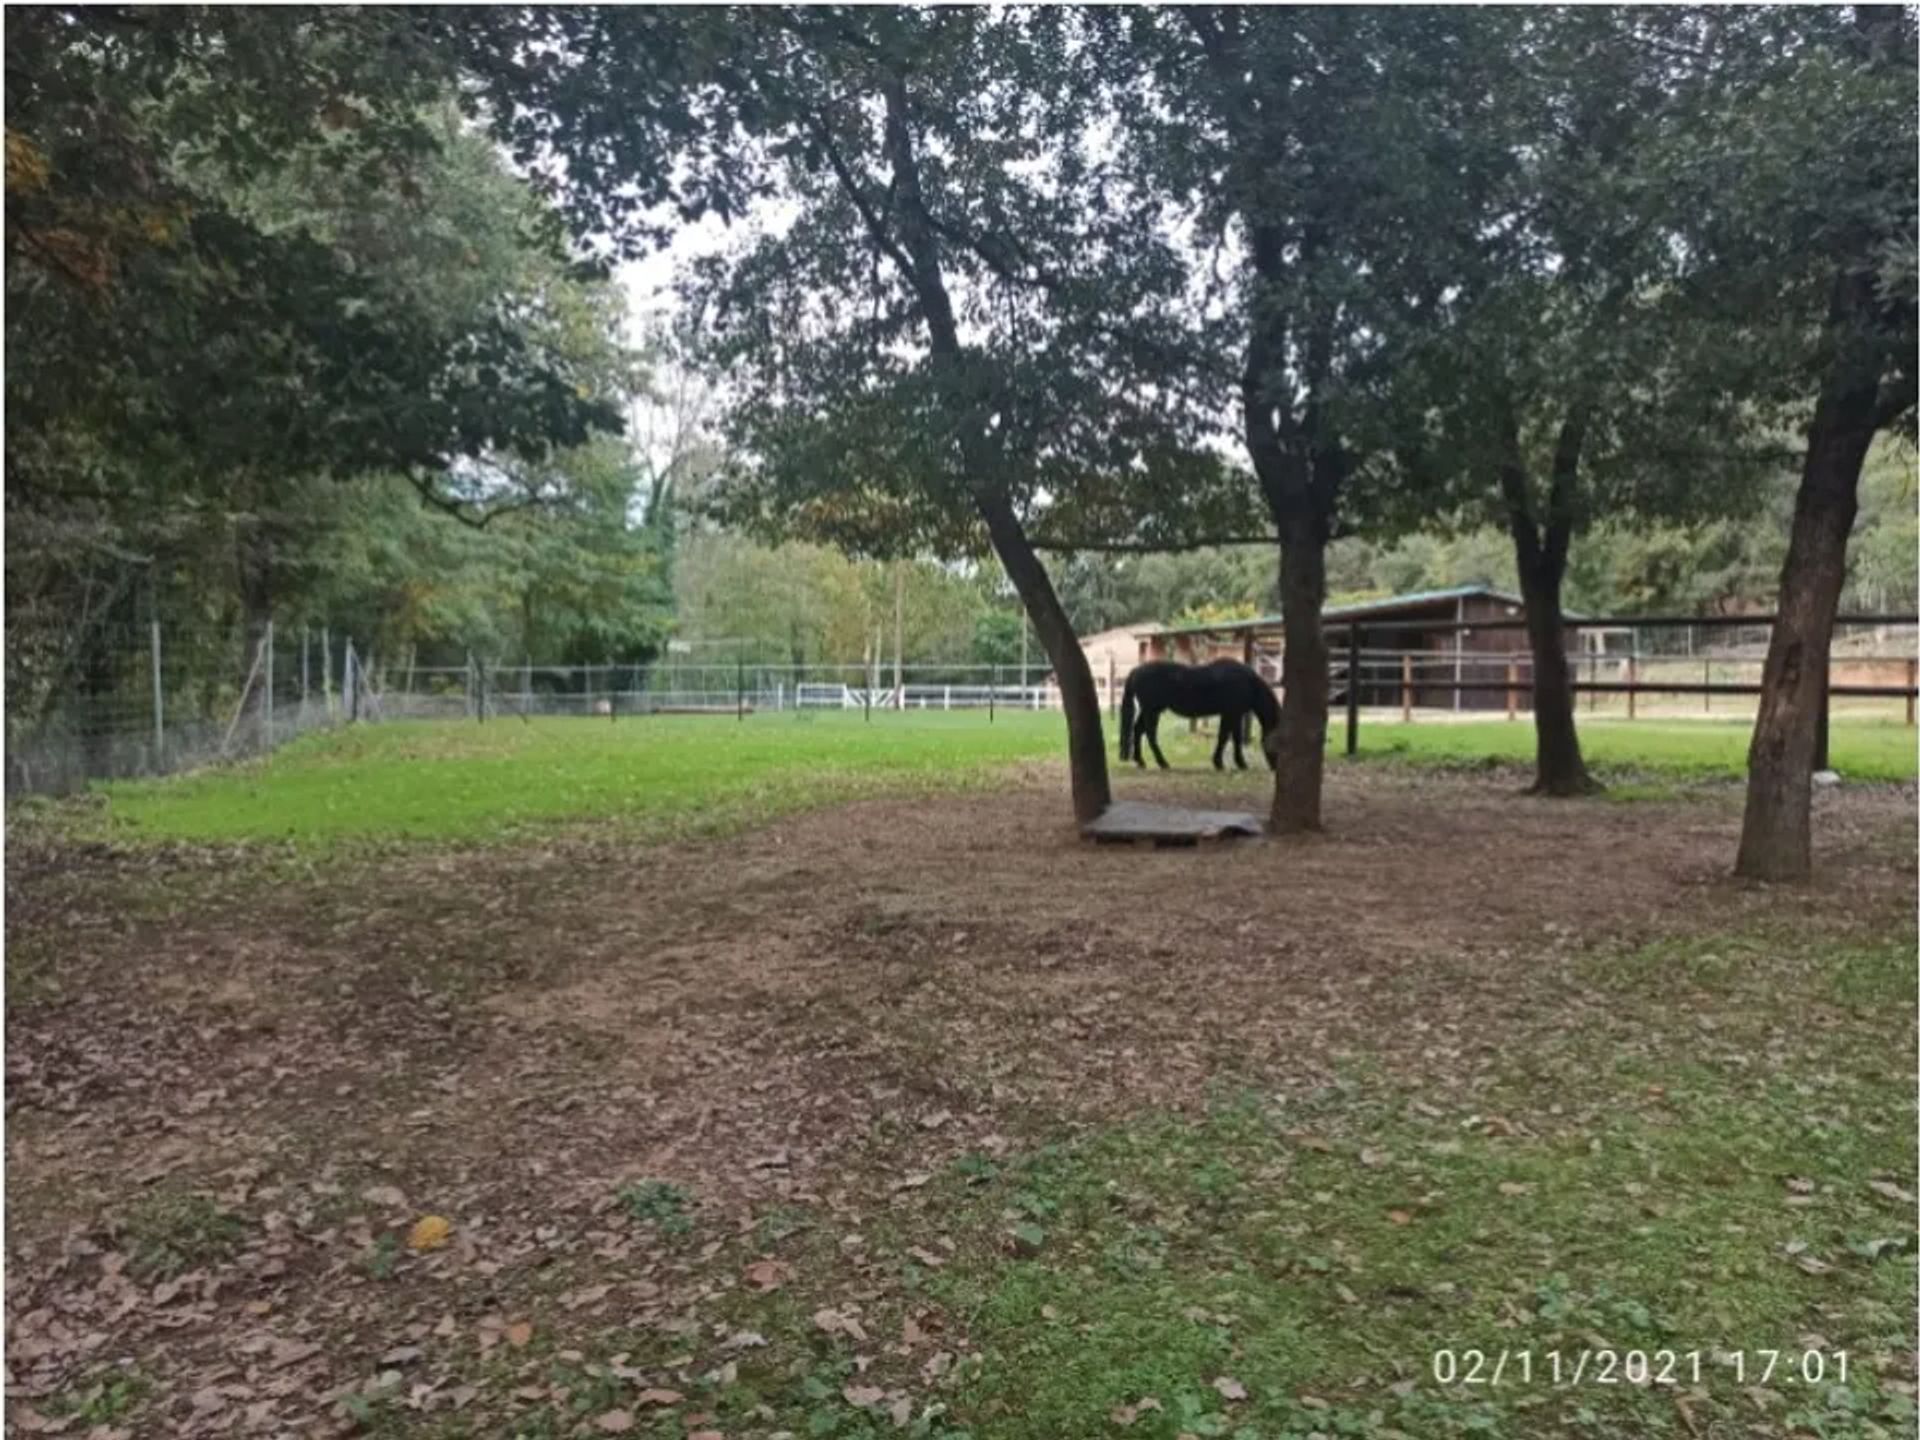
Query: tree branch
x: 883, y: 241
x: 462, y: 512
x: 1147, y: 547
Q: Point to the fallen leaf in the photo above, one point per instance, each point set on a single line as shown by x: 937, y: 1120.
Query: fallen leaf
x: 766, y: 1275
x: 429, y: 1232
x: 614, y: 1422
x: 864, y: 1396
x: 901, y: 1412
x: 1514, y: 1187
x: 1372, y: 1156
x: 911, y: 1182
x: 834, y: 1323
x: 1888, y: 1190
x: 291, y: 1352
x: 1400, y: 1217
x: 659, y: 1397
x: 1230, y: 1388
x: 519, y: 1333
x: 391, y: 1196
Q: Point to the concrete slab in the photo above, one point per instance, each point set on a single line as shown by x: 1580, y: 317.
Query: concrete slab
x: 1140, y: 823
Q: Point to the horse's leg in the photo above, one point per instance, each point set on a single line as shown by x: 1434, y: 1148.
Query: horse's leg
x: 1220, y: 744
x: 1153, y: 739
x: 1239, y: 729
x: 1142, y: 728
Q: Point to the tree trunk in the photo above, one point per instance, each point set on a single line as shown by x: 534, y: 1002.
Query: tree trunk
x: 1541, y: 560
x: 968, y: 393
x: 1776, y: 835
x: 1559, y: 768
x: 1086, y: 742
x: 1301, y: 764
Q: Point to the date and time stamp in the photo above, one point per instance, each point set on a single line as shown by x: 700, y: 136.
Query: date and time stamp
x: 1567, y: 1369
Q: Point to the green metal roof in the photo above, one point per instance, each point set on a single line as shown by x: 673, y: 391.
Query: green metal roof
x: 1408, y: 601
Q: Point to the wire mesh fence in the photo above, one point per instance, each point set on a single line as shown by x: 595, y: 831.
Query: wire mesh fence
x: 154, y: 700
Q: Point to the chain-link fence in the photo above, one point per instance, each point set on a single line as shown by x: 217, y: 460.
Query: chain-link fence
x: 155, y: 699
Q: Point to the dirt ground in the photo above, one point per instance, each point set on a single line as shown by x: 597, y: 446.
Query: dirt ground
x: 812, y: 1014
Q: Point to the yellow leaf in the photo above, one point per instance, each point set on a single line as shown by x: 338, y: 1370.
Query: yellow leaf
x: 429, y: 1232
x: 27, y: 168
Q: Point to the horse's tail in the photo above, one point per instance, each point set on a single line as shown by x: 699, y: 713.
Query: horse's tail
x: 1127, y: 738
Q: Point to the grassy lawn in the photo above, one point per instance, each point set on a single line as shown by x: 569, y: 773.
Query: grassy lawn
x: 1737, y: 1236
x: 668, y: 774
x: 862, y: 1135
x: 680, y: 775
x: 1699, y: 749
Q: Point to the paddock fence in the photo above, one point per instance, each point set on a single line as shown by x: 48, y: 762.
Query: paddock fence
x: 153, y: 700
x: 1629, y: 667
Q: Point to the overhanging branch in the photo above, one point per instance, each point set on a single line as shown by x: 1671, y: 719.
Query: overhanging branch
x: 1147, y: 547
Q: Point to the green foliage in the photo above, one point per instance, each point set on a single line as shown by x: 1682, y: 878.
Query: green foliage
x: 264, y: 273
x: 898, y: 139
x: 996, y: 637
x: 658, y: 1203
x: 101, y: 1401
x: 171, y: 1231
x: 802, y: 604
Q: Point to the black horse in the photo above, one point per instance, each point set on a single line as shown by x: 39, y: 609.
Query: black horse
x: 1225, y: 688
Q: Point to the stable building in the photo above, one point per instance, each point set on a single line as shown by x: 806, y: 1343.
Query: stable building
x: 1415, y: 649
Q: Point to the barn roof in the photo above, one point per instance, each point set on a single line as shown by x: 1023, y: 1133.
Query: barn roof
x: 1412, y: 601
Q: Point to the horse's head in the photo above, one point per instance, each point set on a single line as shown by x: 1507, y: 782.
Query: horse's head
x: 1270, y: 745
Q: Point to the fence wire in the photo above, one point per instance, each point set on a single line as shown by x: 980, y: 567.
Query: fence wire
x: 153, y: 700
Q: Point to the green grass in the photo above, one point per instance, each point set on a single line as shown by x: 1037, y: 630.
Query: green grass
x: 664, y: 774
x: 1688, y: 749
x: 169, y: 1231
x: 1626, y: 1187
x: 679, y: 775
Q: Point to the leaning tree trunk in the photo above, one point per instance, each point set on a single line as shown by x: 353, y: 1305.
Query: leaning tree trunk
x: 1776, y: 835
x: 1301, y: 764
x: 1086, y: 742
x: 1559, y: 768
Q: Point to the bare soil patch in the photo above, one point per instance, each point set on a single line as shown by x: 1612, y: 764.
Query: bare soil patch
x: 804, y: 1018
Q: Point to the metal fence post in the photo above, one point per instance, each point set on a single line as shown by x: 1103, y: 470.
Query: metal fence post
x: 993, y: 689
x: 1913, y: 683
x: 160, y: 703
x: 1513, y: 697
x: 1406, y: 688
x: 304, y: 667
x: 1633, y: 680
x: 740, y: 687
x: 266, y: 698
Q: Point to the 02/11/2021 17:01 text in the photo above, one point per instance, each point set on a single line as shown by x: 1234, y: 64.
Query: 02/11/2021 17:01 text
x: 1637, y: 1367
